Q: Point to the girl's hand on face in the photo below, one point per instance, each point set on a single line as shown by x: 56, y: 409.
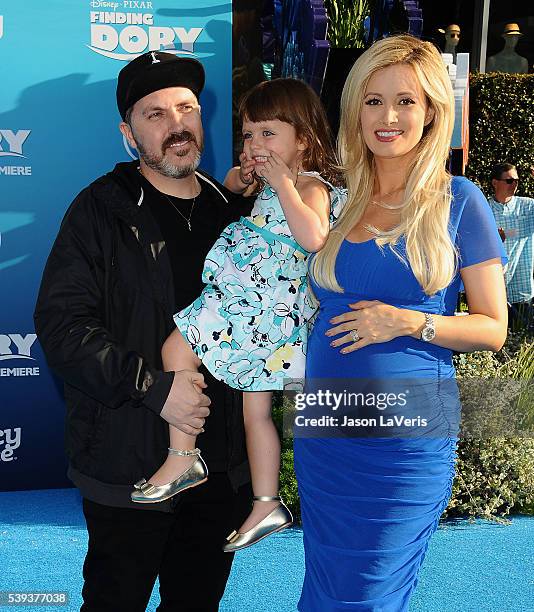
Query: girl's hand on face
x: 246, y: 169
x: 276, y: 172
x: 368, y: 322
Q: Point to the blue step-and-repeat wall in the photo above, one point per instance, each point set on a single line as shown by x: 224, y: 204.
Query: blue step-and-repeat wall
x: 59, y: 60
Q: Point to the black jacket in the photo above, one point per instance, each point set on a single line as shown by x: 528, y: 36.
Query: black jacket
x: 104, y: 310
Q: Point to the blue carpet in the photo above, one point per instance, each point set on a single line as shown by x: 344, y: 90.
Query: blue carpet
x: 469, y: 568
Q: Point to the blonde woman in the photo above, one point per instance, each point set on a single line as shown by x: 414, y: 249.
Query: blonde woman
x: 387, y: 282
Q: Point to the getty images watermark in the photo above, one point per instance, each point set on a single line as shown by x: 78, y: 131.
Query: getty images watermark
x: 326, y: 398
x: 371, y: 408
x: 361, y: 408
x: 409, y: 407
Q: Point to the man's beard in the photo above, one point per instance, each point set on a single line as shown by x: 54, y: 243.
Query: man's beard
x: 164, y: 166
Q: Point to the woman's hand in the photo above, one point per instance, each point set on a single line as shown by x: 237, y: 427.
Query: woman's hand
x: 371, y: 322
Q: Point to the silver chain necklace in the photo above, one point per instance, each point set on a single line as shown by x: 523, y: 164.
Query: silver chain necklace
x: 186, y: 219
x: 389, y: 206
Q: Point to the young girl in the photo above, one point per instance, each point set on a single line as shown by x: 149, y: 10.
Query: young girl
x: 248, y: 327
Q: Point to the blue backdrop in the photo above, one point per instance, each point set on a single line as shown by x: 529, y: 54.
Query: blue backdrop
x: 58, y: 132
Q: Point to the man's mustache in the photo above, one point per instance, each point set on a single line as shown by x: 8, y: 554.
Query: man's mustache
x: 179, y: 138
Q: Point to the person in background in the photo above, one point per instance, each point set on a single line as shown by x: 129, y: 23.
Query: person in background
x: 514, y: 216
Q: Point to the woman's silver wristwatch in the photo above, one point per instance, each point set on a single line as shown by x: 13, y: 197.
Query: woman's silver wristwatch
x: 428, y: 332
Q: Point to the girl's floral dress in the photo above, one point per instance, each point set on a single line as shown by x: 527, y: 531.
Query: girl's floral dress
x: 249, y: 324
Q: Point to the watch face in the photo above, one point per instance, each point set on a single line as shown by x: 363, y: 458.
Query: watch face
x: 428, y: 334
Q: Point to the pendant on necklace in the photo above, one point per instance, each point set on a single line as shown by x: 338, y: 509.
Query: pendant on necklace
x: 186, y: 219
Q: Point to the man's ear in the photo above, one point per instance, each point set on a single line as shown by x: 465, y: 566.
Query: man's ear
x: 429, y: 115
x: 126, y: 131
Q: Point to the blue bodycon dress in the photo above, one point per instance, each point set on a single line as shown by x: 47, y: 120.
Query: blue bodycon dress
x: 370, y: 504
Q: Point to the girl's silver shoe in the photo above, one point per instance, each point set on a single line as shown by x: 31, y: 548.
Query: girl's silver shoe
x: 146, y: 493
x: 278, y: 519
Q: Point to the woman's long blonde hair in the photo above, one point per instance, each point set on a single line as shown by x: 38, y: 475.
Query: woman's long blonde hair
x: 427, y: 197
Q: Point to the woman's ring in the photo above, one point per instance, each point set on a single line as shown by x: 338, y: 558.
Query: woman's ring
x: 354, y: 335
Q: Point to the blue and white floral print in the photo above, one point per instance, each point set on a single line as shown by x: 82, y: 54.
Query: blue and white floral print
x: 249, y: 325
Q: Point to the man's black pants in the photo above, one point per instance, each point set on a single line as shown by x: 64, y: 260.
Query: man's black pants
x: 129, y: 548
x: 521, y: 316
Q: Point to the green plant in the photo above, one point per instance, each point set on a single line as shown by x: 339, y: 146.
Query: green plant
x: 288, y: 484
x: 493, y: 477
x: 346, y: 19
x: 495, y: 467
x: 288, y: 480
x: 520, y: 367
x: 462, y: 305
x: 501, y: 126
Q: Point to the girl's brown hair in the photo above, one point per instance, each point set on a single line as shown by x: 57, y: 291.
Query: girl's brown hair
x: 294, y: 102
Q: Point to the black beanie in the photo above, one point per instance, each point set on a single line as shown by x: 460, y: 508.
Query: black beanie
x: 156, y: 70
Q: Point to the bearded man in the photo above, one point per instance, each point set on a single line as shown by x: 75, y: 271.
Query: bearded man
x: 128, y: 255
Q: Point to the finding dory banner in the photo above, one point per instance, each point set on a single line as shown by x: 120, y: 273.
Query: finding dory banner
x: 59, y: 132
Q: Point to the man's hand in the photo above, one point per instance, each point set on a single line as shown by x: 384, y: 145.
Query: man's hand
x: 187, y: 407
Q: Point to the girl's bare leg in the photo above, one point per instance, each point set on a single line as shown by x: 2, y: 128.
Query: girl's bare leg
x: 263, y: 448
x: 177, y: 355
